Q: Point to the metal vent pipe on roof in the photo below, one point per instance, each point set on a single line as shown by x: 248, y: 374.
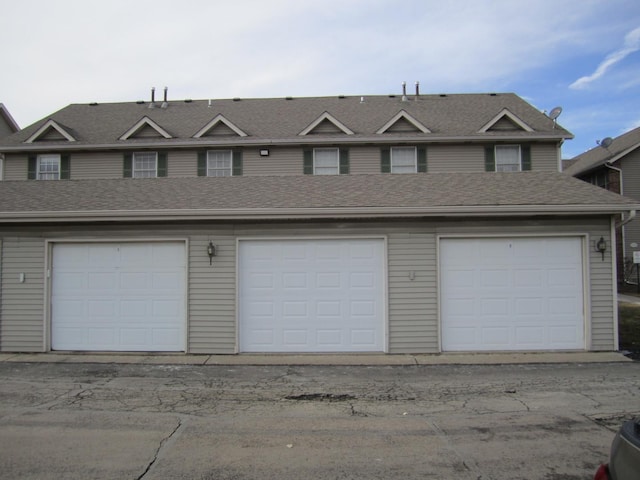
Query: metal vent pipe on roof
x: 417, y: 90
x: 153, y: 94
x: 165, y: 93
x: 404, y: 92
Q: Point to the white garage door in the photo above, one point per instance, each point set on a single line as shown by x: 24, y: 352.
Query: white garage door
x: 118, y: 296
x: 311, y: 295
x: 511, y: 294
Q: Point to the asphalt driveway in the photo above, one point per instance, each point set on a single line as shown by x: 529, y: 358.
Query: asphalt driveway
x: 223, y: 422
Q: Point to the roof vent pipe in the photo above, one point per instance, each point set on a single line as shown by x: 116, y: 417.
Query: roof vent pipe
x: 404, y: 92
x: 417, y: 90
x: 165, y: 104
x: 153, y: 98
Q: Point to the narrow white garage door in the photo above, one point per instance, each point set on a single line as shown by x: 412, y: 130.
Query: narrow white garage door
x: 118, y: 296
x: 311, y: 295
x: 511, y: 294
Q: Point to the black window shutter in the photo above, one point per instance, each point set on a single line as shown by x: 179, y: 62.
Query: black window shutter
x: 65, y: 167
x: 344, y: 161
x: 489, y: 159
x: 202, y: 164
x: 162, y: 164
x: 422, y: 160
x: 525, y: 151
x: 308, y: 162
x: 237, y: 163
x: 127, y: 165
x: 32, y: 168
x: 385, y: 160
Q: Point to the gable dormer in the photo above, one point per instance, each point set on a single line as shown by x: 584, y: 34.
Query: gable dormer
x: 505, y: 121
x: 326, y: 124
x: 220, y: 126
x: 51, y: 131
x: 145, y: 128
x: 402, y: 122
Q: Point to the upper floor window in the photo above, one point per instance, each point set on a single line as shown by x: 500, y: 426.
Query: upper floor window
x: 507, y: 158
x: 403, y: 160
x: 326, y: 161
x: 48, y: 166
x: 601, y: 179
x: 145, y: 164
x: 220, y: 163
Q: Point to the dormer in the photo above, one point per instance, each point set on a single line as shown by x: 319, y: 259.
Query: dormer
x: 505, y: 121
x: 326, y: 124
x: 145, y: 128
x: 51, y: 131
x: 218, y: 127
x: 402, y: 122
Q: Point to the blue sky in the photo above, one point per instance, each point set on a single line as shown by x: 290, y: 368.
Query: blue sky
x: 582, y: 55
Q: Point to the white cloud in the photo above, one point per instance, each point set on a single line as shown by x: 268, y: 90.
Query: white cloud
x: 631, y: 44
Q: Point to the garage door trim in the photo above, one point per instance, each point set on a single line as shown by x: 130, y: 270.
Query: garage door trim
x: 586, y: 268
x: 385, y: 275
x: 51, y: 242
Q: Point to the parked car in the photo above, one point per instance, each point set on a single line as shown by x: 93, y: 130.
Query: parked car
x: 624, y: 459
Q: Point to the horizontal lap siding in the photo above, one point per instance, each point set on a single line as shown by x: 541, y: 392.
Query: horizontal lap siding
x: 544, y: 157
x: 413, y: 308
x: 455, y: 158
x: 602, y: 287
x: 22, y: 307
x: 15, y: 167
x: 96, y: 165
x: 630, y: 166
x: 212, y: 295
x: 182, y: 163
x: 281, y: 161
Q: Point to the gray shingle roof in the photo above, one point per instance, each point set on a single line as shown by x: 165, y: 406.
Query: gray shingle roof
x: 306, y: 197
x: 598, y: 156
x: 279, y: 119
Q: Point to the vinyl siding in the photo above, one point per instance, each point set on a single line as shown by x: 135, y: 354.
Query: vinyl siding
x: 182, y: 163
x: 281, y: 161
x: 630, y: 166
x: 22, y: 307
x: 412, y: 305
x: 15, y: 166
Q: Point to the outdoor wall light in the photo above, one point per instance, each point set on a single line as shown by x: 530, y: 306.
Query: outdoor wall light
x: 211, y: 251
x: 264, y: 152
x: 601, y: 246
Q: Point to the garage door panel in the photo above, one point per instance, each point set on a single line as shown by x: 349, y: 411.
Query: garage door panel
x: 319, y: 295
x: 511, y: 297
x: 116, y: 297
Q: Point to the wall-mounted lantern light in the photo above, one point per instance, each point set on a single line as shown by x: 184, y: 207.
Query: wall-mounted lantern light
x: 601, y: 246
x: 264, y: 152
x: 211, y: 251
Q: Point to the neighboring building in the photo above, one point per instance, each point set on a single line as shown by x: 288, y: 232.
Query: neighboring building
x: 615, y: 166
x: 7, y: 126
x: 396, y: 224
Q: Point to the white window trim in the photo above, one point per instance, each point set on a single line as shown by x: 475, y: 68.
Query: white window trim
x: 39, y: 173
x: 495, y: 156
x: 230, y: 152
x: 133, y: 164
x: 337, y: 165
x: 415, y: 159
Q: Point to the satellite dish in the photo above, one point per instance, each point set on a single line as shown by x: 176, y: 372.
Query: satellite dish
x: 555, y: 113
x: 605, y: 142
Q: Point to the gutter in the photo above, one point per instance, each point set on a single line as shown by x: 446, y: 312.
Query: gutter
x: 266, y: 142
x: 311, y: 213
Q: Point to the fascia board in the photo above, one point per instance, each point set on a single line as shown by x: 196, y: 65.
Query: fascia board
x: 219, y: 119
x: 47, y: 125
x: 311, y: 213
x: 408, y: 118
x: 327, y: 116
x: 144, y: 121
x: 264, y: 142
x: 506, y: 113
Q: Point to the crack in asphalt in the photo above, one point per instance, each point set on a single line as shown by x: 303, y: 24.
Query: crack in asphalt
x: 161, y: 446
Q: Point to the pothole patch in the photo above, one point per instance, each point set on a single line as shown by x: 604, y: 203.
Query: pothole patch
x: 321, y: 397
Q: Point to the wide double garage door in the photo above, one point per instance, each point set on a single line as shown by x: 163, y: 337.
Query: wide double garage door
x: 512, y: 294
x: 118, y: 296
x: 311, y: 295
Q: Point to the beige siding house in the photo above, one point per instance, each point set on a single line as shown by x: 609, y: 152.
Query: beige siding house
x: 390, y: 224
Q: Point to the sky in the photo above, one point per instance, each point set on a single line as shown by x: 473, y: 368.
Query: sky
x: 582, y: 55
